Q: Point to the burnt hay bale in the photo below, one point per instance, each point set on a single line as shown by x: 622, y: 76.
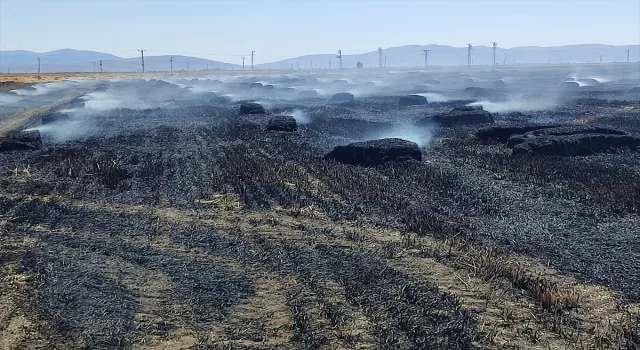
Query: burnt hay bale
x: 343, y: 97
x: 282, y: 123
x: 562, y: 131
x: 220, y: 100
x: 569, y: 86
x: 466, y: 115
x: 21, y: 141
x: 251, y: 108
x: 503, y: 132
x: 308, y: 94
x: 55, y: 118
x: 376, y: 152
x: 412, y: 100
x: 498, y: 84
x: 576, y: 145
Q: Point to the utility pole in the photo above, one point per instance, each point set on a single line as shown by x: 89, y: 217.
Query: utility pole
x: 469, y: 55
x: 385, y: 61
x: 297, y: 65
x: 495, y: 48
x: 505, y: 60
x: 380, y: 57
x: 600, y: 59
x: 188, y: 66
x: 38, y: 65
x: 207, y: 66
x: 242, y: 62
x: 171, y: 61
x: 100, y: 66
x: 340, y: 57
x: 426, y: 58
x: 142, y: 52
x: 253, y: 53
x: 628, y: 55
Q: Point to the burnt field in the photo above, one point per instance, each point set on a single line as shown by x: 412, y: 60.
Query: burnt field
x: 155, y: 216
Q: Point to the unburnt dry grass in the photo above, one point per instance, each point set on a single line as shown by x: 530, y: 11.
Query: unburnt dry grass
x: 214, y: 234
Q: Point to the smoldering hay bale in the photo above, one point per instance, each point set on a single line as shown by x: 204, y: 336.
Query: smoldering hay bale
x: 342, y: 97
x: 502, y: 133
x: 412, y: 100
x: 376, y: 152
x: 282, y: 123
x: 576, y: 145
x: 466, y: 115
x: 308, y: 94
x: 251, y: 108
x: 21, y: 141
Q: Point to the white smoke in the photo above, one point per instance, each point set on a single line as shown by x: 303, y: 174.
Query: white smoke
x: 43, y: 89
x: 64, y: 130
x: 9, y: 98
x: 517, y: 104
x: 421, y: 136
x: 300, y: 116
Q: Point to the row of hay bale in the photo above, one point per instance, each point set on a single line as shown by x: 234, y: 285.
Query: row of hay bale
x: 559, y: 140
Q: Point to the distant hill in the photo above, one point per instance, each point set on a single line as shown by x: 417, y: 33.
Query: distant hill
x: 65, y: 56
x: 69, y: 60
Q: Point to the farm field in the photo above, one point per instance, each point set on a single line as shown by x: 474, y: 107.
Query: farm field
x: 155, y: 216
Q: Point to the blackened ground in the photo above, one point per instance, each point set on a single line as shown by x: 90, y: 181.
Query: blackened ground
x: 87, y: 266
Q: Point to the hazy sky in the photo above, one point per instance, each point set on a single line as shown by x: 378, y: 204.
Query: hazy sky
x: 226, y: 30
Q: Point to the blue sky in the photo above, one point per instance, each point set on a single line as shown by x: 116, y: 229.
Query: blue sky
x: 226, y: 30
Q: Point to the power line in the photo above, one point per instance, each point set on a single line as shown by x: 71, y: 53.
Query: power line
x: 142, y: 52
x: 426, y: 58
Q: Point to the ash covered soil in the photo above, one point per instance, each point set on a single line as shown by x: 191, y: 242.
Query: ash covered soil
x: 155, y: 216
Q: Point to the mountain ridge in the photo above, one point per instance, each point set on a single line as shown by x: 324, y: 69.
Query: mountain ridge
x: 71, y: 60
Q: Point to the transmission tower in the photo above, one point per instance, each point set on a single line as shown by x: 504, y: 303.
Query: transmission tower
x: 253, y: 53
x: 340, y: 57
x: 426, y: 57
x: 100, y: 66
x: 469, y: 55
x: 495, y: 48
x: 142, y: 52
x: 380, y: 57
x: 242, y: 62
x: 38, y: 65
x: 628, y: 55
